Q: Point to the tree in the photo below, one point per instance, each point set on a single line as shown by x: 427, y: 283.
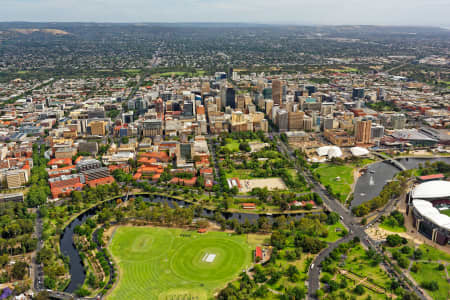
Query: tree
x: 359, y: 289
x: 244, y: 146
x: 394, y: 240
x: 418, y: 253
x: 430, y: 285
x: 332, y: 218
x: 19, y: 270
x: 292, y: 272
x: 278, y: 240
x: 125, y: 140
x: 44, y: 295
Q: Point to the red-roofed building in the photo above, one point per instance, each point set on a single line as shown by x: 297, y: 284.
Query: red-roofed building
x: 124, y: 167
x: 207, y: 173
x: 60, y: 162
x: 203, y: 163
x: 100, y: 181
x: 431, y: 177
x: 181, y: 181
x: 248, y: 205
x: 258, y: 254
x: 61, y: 171
x: 159, y: 156
x: 208, y: 184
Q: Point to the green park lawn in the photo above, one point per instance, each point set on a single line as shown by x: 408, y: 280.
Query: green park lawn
x: 433, y: 254
x: 240, y: 173
x: 180, y: 73
x: 161, y: 263
x: 429, y: 272
x: 232, y: 145
x: 358, y: 263
x: 334, y: 232
x: 328, y: 174
x: 132, y: 71
x: 390, y: 228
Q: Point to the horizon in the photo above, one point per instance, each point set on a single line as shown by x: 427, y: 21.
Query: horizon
x: 283, y: 12
x: 226, y: 23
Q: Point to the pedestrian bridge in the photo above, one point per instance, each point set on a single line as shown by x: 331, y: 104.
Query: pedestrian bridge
x: 394, y: 162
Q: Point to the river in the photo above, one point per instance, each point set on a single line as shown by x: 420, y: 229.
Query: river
x: 370, y: 184
x: 76, y: 268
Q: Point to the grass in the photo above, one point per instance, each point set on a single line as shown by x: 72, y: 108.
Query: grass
x: 390, y: 228
x: 232, y: 145
x: 430, y: 272
x: 179, y: 73
x: 328, y: 174
x: 334, y: 235
x: 445, y: 212
x: 258, y: 239
x: 159, y: 263
x: 131, y: 71
x: 433, y: 254
x: 240, y: 173
x: 358, y: 263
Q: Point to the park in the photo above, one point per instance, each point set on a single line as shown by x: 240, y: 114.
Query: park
x: 162, y: 263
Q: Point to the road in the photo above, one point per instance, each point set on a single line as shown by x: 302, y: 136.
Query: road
x: 349, y: 221
x: 37, y: 268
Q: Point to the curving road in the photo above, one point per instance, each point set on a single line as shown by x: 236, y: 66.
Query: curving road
x: 355, y: 230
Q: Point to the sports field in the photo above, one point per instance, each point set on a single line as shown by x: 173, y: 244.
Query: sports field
x: 161, y: 263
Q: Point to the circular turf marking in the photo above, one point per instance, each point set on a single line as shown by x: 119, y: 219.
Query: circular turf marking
x: 187, y: 262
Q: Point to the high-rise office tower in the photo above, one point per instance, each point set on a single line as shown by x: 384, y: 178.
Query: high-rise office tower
x: 230, y: 98
x: 358, y: 93
x: 188, y: 109
x: 377, y: 131
x: 380, y: 94
x: 363, y: 131
x: 398, y: 121
x: 277, y: 92
x: 311, y: 89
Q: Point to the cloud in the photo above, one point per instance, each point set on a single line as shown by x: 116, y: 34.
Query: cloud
x: 380, y: 12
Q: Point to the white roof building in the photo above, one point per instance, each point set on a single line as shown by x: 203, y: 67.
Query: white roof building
x: 359, y: 151
x: 329, y: 151
x: 432, y: 214
x: 432, y: 190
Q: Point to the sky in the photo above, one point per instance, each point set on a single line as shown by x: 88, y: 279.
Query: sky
x: 301, y: 12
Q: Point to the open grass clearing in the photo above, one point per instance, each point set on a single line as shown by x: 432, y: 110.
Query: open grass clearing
x: 338, y: 177
x: 161, y: 263
x: 358, y: 263
x: 429, y: 272
x: 334, y: 232
x: 390, y: 228
x: 240, y: 174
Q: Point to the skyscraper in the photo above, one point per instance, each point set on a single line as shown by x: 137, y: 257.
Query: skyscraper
x: 277, y: 92
x: 311, y: 89
x: 363, y: 131
x: 188, y: 109
x: 358, y: 93
x: 230, y: 98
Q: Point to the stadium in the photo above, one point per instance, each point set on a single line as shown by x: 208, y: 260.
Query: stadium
x: 426, y: 201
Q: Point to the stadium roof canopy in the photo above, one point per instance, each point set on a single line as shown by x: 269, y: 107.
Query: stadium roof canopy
x: 432, y: 214
x: 432, y: 190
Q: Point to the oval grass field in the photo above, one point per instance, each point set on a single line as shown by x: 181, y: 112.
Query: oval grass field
x: 162, y: 263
